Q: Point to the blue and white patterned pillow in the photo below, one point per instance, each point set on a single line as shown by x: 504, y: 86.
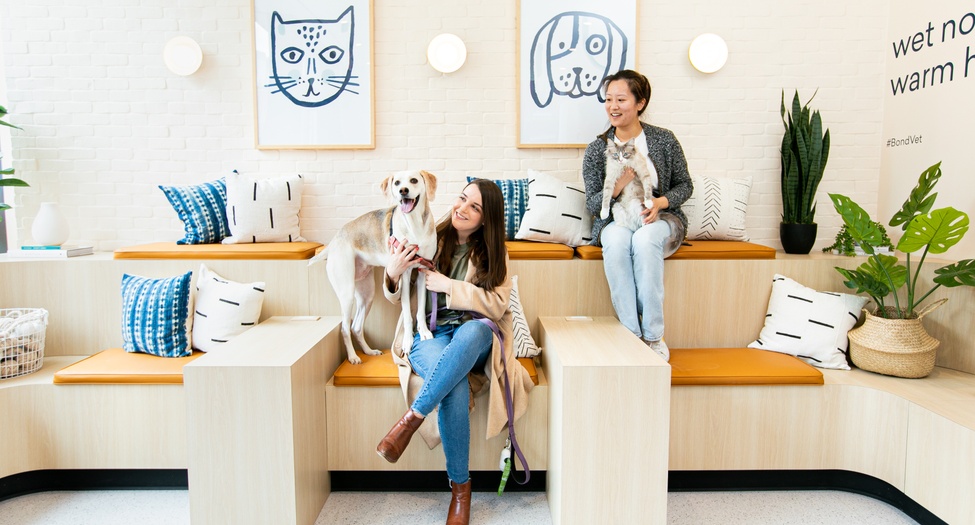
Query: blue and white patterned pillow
x: 203, y: 210
x: 515, y: 192
x: 155, y: 315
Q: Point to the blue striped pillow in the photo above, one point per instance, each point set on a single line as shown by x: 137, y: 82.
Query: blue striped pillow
x: 155, y: 313
x: 515, y: 192
x: 203, y: 210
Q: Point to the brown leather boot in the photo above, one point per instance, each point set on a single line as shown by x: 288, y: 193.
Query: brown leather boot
x: 395, y: 442
x: 459, y: 512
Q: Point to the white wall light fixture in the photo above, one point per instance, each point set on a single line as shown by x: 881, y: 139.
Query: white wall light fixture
x: 182, y: 55
x: 446, y: 53
x: 708, y: 53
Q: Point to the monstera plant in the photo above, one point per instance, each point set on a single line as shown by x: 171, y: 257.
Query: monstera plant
x: 4, y: 181
x: 925, y: 230
x: 805, y: 150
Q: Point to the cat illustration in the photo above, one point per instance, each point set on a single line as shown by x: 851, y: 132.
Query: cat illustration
x: 635, y: 195
x: 311, y: 60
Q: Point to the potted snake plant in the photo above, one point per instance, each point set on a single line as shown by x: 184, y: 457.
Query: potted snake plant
x: 805, y: 150
x: 4, y: 181
x: 892, y: 340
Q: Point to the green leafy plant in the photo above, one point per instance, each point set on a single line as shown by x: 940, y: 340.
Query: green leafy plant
x: 805, y: 150
x: 4, y: 181
x: 845, y: 245
x: 925, y: 230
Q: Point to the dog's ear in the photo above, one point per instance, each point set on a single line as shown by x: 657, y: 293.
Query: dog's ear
x: 384, y: 185
x: 540, y: 67
x: 616, y: 54
x: 430, y: 181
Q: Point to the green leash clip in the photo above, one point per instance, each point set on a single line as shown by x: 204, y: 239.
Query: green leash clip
x: 505, y: 466
x: 504, y: 476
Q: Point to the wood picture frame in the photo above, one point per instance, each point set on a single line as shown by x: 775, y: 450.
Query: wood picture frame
x: 313, y: 75
x: 565, y: 49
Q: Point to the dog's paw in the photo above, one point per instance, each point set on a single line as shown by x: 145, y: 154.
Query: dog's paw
x: 354, y: 359
x: 604, y: 214
x: 407, y: 345
x: 425, y: 334
x: 370, y: 351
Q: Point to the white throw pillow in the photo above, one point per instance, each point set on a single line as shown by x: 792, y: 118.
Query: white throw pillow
x: 224, y: 309
x: 717, y: 208
x: 263, y: 210
x: 556, y: 212
x: 808, y: 324
x: 523, y: 344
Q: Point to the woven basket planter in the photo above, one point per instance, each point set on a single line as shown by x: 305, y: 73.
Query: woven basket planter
x: 894, y: 347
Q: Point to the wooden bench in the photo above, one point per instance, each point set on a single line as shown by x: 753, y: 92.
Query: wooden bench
x: 710, y: 303
x: 689, y: 366
x: 254, y: 408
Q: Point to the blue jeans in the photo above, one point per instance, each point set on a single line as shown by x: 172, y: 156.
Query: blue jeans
x: 634, y: 266
x: 444, y: 362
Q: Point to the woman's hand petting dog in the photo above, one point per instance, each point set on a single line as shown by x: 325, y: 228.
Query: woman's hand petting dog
x: 402, y: 256
x: 436, y: 281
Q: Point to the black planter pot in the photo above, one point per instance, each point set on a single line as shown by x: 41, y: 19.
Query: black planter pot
x: 797, y: 238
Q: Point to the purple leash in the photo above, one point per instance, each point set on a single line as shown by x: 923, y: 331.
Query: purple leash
x: 508, y: 403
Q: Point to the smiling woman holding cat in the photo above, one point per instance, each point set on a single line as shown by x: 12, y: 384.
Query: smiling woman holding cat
x: 634, y: 260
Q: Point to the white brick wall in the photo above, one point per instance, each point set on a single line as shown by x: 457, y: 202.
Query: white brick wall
x: 105, y: 122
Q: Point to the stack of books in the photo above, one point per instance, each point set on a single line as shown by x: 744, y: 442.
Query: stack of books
x: 49, y: 251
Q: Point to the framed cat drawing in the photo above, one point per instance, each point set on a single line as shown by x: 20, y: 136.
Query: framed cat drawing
x: 313, y: 74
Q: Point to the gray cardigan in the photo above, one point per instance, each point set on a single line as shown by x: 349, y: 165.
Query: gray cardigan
x: 668, y: 158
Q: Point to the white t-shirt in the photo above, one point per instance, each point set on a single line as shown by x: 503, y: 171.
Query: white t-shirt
x: 641, y: 146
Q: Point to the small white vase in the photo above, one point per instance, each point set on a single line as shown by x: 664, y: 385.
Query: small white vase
x: 50, y: 225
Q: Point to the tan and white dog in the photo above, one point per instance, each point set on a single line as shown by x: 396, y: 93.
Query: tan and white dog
x: 362, y: 244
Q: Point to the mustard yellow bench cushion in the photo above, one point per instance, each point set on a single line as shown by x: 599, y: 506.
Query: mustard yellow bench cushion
x: 700, y: 250
x: 739, y: 366
x: 261, y: 250
x: 379, y: 370
x: 116, y: 366
x: 529, y: 250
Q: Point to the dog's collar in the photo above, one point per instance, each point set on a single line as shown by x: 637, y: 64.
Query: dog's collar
x: 422, y: 261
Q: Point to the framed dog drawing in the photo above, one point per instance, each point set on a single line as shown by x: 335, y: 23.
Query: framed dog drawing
x: 313, y: 74
x: 565, y: 49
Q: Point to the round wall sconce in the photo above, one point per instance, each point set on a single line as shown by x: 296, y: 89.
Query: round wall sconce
x: 446, y: 53
x: 708, y: 53
x: 182, y: 55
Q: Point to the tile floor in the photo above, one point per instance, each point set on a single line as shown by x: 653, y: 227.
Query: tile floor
x: 171, y: 507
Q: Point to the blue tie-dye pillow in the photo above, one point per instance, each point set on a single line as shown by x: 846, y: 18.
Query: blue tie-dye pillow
x: 515, y: 192
x: 155, y: 313
x: 203, y: 210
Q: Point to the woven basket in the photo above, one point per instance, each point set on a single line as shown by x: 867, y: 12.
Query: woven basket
x: 21, y: 340
x: 894, y: 347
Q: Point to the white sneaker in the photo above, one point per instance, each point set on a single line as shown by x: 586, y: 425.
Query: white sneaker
x: 661, y: 348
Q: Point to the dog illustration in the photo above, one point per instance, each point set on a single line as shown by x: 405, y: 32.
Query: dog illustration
x: 362, y: 244
x: 571, y: 55
x: 636, y: 195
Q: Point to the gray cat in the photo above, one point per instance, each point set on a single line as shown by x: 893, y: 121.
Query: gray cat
x: 636, y: 195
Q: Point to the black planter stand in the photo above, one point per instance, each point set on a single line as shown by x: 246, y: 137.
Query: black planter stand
x: 797, y: 238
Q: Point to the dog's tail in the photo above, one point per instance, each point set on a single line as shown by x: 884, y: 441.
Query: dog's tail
x: 320, y: 256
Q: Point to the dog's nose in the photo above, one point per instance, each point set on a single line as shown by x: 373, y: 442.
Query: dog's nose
x: 404, y: 191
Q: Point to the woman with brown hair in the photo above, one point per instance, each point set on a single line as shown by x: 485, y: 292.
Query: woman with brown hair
x: 471, y: 334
